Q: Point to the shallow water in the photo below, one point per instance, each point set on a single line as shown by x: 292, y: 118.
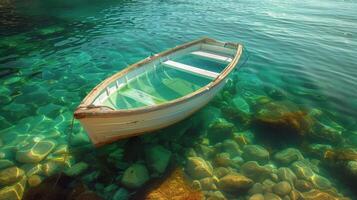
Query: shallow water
x: 300, y: 55
x: 156, y: 86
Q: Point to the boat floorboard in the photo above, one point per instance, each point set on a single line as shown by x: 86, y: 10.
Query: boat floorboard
x: 141, y: 96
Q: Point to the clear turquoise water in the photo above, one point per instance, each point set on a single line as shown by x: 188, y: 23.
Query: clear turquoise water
x: 52, y: 53
x: 159, y: 85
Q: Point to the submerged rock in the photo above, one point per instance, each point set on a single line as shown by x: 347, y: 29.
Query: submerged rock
x: 256, y: 197
x: 54, y: 187
x: 255, y: 153
x: 31, y: 169
x: 34, y: 180
x: 282, y: 188
x: 220, y: 171
x: 121, y: 194
x: 340, y: 155
x: 320, y: 182
x: 285, y: 174
x: 4, y: 163
x: 11, y: 175
x: 116, y: 155
x: 222, y: 160
x: 50, y: 168
x: 157, y: 158
x: 318, y: 149
x: 214, y: 195
x: 328, y: 134
x: 233, y: 114
x: 352, y: 167
x: 61, y: 149
x: 36, y: 152
x: 302, y: 170
x: 288, y: 156
x: 231, y: 147
x: 295, y: 195
x: 235, y: 182
x: 303, y: 185
x: 204, y: 151
x: 135, y: 176
x: 237, y: 161
x: 268, y: 185
x: 196, y: 184
x: 280, y: 120
x: 175, y: 186
x: 91, y: 177
x: 254, y: 171
x: 220, y: 130
x: 317, y: 194
x: 257, y: 188
x: 271, y: 196
x: 208, y: 183
x: 13, y: 192
x: 66, y: 160
x: 275, y: 93
x: 240, y: 104
x: 198, y: 168
x: 76, y: 169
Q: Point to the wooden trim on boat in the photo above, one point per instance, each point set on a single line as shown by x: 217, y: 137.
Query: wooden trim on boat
x: 85, y: 109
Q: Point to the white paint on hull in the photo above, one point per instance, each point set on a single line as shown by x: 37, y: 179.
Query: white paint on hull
x: 105, y: 124
x: 103, y: 129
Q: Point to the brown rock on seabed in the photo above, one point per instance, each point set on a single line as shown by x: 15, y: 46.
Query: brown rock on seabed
x: 174, y: 187
x: 198, y: 168
x: 10, y: 175
x: 320, y: 195
x: 13, y: 192
x: 280, y: 118
x: 234, y: 183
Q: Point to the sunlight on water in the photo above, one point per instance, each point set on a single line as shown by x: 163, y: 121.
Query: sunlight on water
x: 284, y: 125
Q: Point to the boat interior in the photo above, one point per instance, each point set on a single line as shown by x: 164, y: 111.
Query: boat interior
x: 167, y: 78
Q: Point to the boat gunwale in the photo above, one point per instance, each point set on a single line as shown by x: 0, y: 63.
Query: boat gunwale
x: 86, y: 109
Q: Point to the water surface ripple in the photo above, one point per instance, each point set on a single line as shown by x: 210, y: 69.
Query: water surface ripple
x: 52, y: 53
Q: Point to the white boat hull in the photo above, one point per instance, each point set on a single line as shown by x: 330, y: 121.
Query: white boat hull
x: 105, y: 130
x: 106, y: 123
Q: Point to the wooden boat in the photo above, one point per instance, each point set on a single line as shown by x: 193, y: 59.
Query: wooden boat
x: 157, y: 91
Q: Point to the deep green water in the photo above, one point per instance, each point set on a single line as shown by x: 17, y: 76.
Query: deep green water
x: 301, y: 55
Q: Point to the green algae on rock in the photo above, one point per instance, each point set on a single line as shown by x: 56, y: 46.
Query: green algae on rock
x: 76, y: 169
x: 220, y: 130
x: 135, y: 176
x: 50, y: 64
x: 158, y: 158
